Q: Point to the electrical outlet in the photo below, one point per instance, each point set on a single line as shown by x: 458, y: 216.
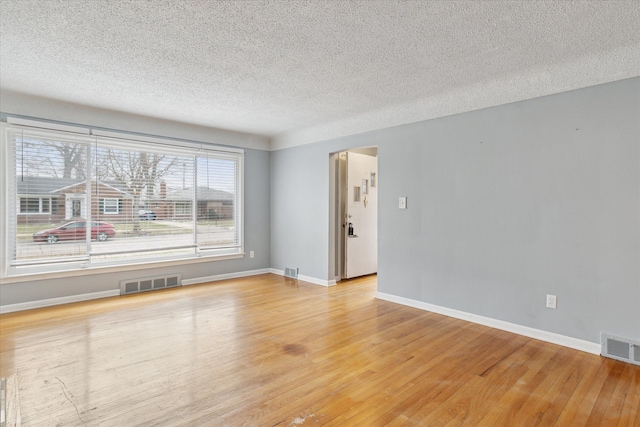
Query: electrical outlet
x: 551, y: 301
x: 251, y: 254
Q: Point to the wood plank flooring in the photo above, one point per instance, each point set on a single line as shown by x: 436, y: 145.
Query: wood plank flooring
x: 270, y: 351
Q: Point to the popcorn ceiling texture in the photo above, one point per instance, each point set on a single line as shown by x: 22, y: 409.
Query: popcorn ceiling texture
x: 303, y: 71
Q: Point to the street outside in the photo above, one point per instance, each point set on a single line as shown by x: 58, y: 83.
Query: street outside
x: 176, y: 234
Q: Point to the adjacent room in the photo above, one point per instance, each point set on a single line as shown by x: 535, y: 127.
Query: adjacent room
x: 348, y: 213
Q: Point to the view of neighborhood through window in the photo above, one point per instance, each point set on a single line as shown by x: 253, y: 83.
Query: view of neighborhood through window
x: 144, y: 200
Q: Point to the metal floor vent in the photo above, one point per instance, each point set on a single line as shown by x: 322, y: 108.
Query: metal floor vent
x: 291, y: 272
x: 623, y: 349
x: 144, y: 284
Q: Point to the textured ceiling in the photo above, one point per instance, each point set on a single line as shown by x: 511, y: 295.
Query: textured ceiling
x: 300, y: 71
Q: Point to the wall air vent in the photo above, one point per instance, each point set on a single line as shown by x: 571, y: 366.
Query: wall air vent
x: 291, y: 272
x: 144, y: 284
x: 623, y: 349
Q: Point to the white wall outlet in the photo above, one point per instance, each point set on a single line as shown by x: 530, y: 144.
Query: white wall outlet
x: 551, y: 301
x: 402, y: 203
x: 251, y: 254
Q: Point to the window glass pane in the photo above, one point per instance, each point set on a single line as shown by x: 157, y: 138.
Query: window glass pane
x: 216, y: 202
x: 136, y: 190
x: 48, y: 171
x: 182, y: 210
x: 110, y: 206
x: 29, y: 205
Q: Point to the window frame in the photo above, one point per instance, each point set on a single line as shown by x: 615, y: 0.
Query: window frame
x: 102, y: 203
x: 186, y: 208
x: 41, y: 200
x: 17, y: 273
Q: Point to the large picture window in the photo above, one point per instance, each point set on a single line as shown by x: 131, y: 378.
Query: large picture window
x: 145, y: 199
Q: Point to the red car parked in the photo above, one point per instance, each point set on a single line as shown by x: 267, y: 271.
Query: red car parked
x: 75, y: 230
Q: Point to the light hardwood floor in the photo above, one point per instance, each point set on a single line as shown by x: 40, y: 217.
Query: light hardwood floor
x: 270, y: 351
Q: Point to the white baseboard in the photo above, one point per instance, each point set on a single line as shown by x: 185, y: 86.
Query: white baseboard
x: 315, y: 281
x: 574, y: 343
x: 304, y: 278
x: 217, y: 277
x: 10, y: 308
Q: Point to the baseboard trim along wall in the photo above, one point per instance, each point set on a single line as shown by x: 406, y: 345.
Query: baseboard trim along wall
x: 218, y: 277
x: 304, y: 278
x: 10, y: 308
x: 574, y: 343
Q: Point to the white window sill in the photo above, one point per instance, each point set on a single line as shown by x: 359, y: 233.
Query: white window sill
x: 102, y: 269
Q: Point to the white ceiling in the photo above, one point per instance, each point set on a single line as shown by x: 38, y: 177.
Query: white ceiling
x: 301, y: 71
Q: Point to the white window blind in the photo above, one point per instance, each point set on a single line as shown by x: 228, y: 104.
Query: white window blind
x: 100, y: 199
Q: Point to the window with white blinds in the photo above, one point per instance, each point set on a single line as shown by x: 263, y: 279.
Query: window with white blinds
x: 99, y: 199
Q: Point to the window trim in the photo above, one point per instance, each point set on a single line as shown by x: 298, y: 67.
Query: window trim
x: 84, y: 269
x: 51, y: 200
x: 186, y: 209
x: 102, y: 202
x: 17, y: 273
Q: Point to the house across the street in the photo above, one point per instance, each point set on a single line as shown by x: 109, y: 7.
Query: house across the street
x: 52, y: 200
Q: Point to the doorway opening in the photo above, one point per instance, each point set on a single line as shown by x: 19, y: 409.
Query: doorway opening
x: 353, y: 206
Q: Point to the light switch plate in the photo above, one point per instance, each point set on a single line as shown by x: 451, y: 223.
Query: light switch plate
x: 402, y: 203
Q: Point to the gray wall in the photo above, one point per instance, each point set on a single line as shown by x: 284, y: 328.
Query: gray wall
x: 257, y: 204
x: 505, y: 205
